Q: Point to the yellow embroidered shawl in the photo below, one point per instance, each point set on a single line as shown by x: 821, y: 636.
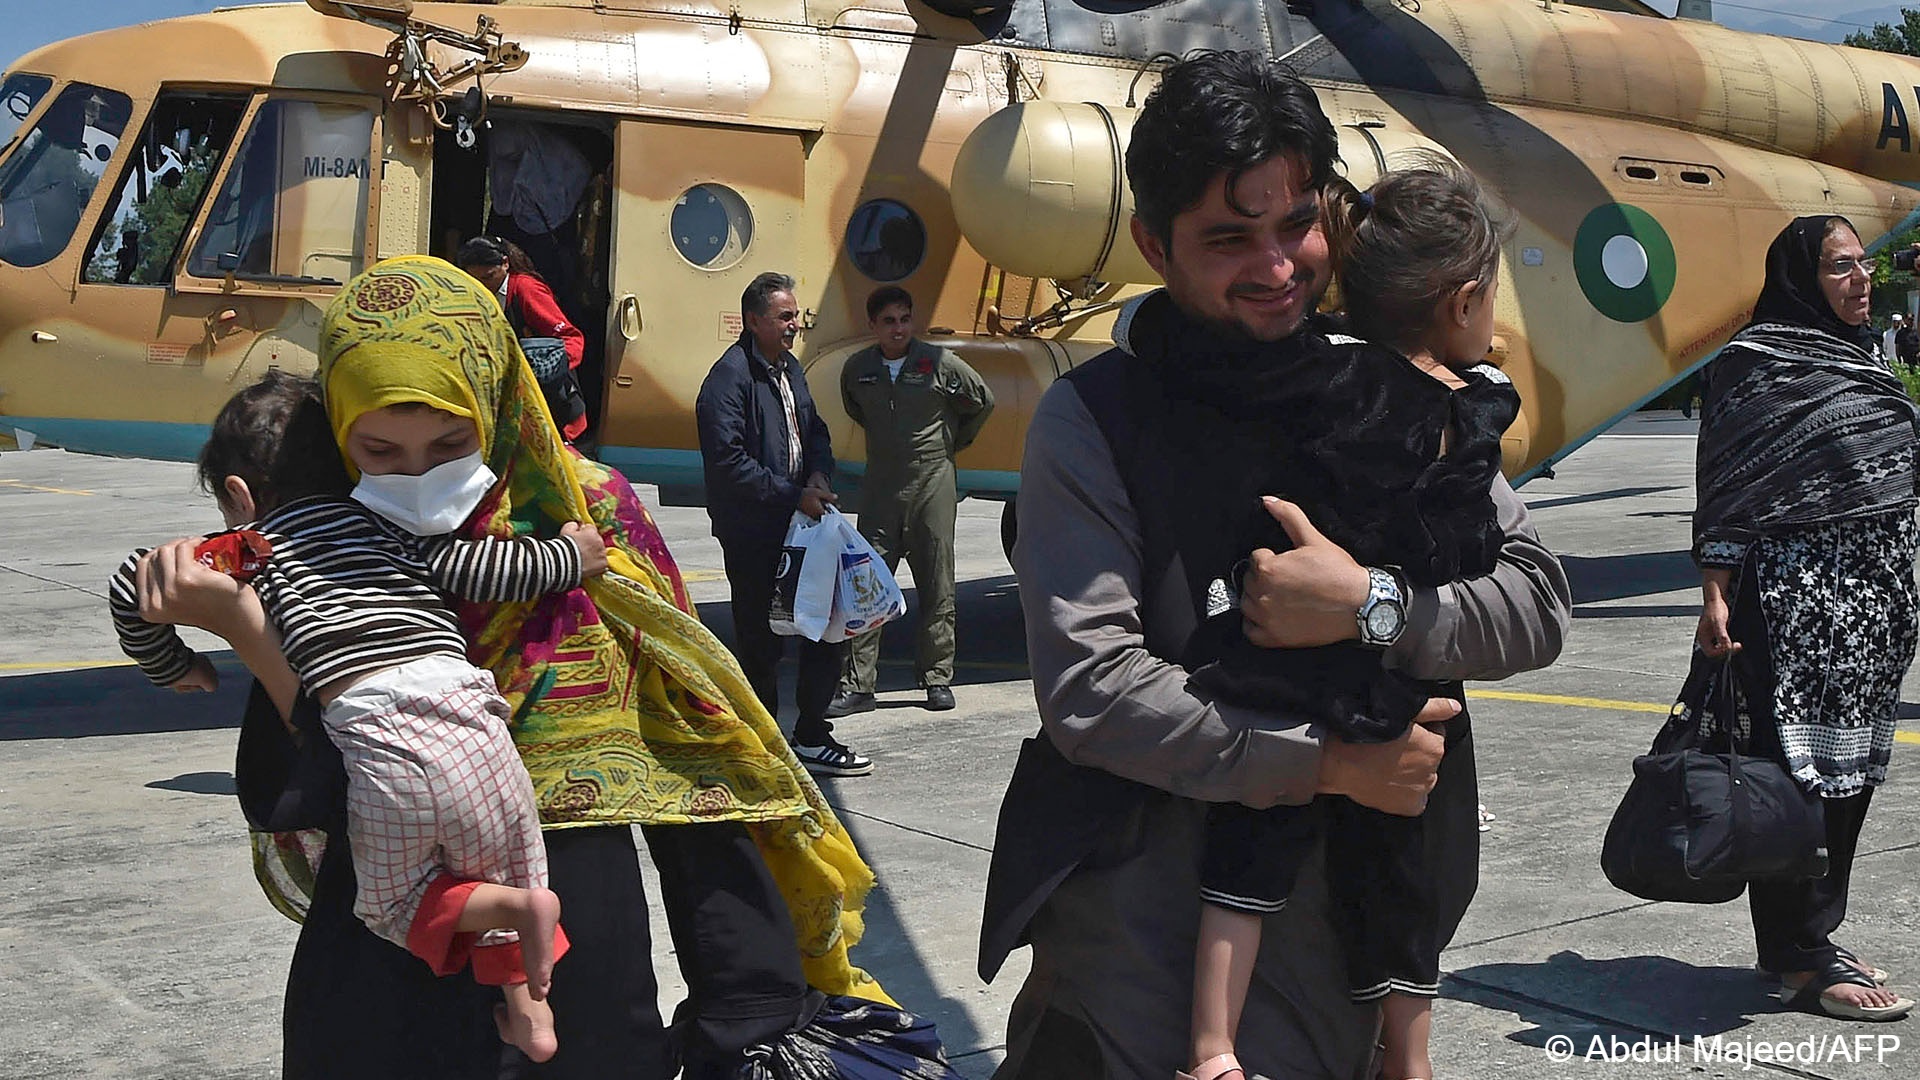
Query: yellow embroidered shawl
x: 626, y: 708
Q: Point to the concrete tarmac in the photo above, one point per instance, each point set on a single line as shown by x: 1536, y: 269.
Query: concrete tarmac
x: 135, y: 943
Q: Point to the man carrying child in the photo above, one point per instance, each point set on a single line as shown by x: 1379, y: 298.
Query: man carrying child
x: 1097, y: 861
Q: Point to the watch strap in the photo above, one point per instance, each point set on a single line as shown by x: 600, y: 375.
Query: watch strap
x: 1384, y: 588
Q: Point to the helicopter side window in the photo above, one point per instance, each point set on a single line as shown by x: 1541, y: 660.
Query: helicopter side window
x: 712, y: 226
x: 46, y: 183
x: 293, y: 209
x: 186, y: 136
x: 19, y: 93
x: 886, y: 239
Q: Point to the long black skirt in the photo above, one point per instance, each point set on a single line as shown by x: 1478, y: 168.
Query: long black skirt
x: 361, y: 1008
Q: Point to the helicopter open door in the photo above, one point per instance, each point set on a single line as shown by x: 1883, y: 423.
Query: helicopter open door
x: 700, y: 210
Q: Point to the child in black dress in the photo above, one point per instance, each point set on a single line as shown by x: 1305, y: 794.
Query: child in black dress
x: 1391, y: 453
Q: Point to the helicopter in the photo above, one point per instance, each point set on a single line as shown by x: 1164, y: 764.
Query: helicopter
x: 179, y: 199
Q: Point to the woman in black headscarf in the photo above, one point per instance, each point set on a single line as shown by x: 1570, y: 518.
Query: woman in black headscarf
x: 1806, y: 484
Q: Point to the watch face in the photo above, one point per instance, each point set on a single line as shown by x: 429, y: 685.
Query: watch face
x: 1384, y: 620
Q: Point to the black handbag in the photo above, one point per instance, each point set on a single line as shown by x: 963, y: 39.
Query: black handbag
x: 1701, y: 819
x: 553, y: 370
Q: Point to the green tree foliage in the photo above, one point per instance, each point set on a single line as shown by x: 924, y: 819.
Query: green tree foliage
x: 1890, y: 286
x: 1908, y: 375
x: 1887, y: 37
x: 158, y: 224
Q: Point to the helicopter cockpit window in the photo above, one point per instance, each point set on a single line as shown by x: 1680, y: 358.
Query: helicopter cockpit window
x: 178, y: 152
x: 712, y: 226
x: 293, y: 210
x: 46, y: 182
x: 18, y: 95
x: 886, y: 240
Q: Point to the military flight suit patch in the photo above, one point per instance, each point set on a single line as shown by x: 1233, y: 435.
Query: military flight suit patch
x: 918, y: 373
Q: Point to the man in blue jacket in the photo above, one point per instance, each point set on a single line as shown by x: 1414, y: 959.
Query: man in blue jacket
x: 767, y: 453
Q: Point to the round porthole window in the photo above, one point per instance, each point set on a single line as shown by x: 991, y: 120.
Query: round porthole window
x: 886, y: 240
x: 712, y: 226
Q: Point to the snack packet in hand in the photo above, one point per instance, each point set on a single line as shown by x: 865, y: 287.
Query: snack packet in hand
x: 240, y: 554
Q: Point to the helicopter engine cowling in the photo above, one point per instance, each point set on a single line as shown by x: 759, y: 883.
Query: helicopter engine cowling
x: 1040, y: 189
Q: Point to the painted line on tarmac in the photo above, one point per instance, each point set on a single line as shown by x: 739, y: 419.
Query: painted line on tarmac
x: 1577, y: 702
x: 49, y: 490
x: 1616, y: 706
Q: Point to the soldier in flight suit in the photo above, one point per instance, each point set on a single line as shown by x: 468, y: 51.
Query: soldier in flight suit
x: 920, y: 405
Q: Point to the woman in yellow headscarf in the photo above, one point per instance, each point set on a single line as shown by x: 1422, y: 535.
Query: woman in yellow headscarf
x: 627, y: 711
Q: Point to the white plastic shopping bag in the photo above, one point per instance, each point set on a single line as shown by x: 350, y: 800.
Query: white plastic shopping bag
x: 865, y: 596
x: 803, y: 582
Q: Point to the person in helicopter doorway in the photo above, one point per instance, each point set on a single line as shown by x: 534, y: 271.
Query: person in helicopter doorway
x: 554, y: 346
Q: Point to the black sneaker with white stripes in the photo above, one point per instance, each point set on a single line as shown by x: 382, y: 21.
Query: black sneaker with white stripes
x: 832, y: 759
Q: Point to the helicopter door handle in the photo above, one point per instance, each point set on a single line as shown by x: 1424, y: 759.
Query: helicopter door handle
x: 221, y: 324
x: 41, y: 337
x: 630, y: 323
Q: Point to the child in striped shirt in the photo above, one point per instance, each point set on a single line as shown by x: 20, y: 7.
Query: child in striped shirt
x: 441, y: 818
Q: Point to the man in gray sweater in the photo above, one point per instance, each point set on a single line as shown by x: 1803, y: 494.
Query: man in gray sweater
x: 1096, y: 864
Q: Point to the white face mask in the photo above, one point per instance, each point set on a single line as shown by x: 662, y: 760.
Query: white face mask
x: 432, y: 504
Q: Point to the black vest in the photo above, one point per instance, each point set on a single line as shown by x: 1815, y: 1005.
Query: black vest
x: 1055, y: 812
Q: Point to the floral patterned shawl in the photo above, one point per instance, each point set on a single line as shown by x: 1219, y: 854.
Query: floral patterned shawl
x: 627, y: 710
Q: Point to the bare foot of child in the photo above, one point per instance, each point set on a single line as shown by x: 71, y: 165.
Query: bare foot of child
x: 526, y: 1023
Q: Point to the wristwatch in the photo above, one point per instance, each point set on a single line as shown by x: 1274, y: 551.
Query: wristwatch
x: 1384, y: 615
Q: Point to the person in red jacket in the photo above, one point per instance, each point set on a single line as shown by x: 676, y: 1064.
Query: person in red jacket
x: 535, y: 313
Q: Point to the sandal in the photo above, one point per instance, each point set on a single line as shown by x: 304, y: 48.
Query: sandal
x: 1812, y: 998
x: 1216, y: 1067
x: 1880, y: 976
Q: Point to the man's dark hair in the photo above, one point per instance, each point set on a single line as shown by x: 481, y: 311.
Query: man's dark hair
x: 275, y: 436
x: 1220, y: 112
x: 758, y: 296
x: 885, y: 297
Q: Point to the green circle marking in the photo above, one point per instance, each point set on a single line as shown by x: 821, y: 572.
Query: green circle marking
x: 1612, y: 278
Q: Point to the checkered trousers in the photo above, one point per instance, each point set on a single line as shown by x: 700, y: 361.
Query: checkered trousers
x: 434, y: 785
